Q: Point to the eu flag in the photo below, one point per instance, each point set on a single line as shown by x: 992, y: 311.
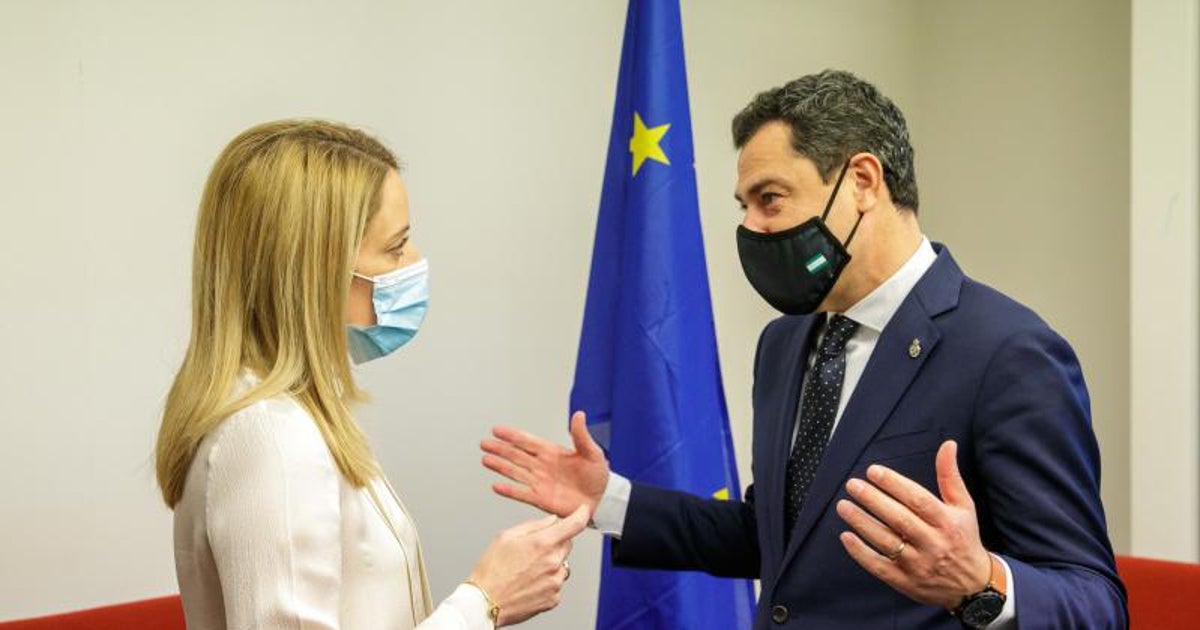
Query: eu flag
x: 647, y: 373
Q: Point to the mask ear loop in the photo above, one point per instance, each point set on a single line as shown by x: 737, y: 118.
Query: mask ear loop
x: 833, y: 195
x: 836, y: 188
x: 851, y: 237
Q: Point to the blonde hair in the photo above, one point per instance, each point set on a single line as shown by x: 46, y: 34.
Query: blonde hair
x: 279, y: 226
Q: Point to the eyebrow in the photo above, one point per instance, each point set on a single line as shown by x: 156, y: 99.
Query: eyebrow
x: 401, y: 235
x: 759, y: 185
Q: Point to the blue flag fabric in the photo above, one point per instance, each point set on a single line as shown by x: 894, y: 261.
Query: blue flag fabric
x: 647, y: 373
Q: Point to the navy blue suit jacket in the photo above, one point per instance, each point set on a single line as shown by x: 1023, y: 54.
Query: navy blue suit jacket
x: 991, y: 375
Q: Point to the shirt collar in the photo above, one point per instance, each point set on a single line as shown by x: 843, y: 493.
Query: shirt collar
x: 876, y: 309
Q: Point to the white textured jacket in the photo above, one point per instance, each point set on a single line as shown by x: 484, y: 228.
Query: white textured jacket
x: 269, y: 534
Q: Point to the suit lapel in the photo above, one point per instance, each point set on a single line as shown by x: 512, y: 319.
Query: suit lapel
x: 888, y: 374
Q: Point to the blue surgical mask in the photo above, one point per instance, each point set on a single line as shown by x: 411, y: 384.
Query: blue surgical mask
x: 401, y: 298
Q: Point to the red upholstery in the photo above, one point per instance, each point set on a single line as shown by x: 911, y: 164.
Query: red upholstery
x: 163, y: 613
x: 1162, y: 595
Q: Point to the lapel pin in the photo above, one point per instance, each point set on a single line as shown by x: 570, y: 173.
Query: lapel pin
x: 914, y: 350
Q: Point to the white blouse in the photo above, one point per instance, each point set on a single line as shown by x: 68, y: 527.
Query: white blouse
x: 268, y: 534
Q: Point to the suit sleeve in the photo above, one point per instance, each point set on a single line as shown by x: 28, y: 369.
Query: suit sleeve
x: 1039, y: 467
x: 668, y: 529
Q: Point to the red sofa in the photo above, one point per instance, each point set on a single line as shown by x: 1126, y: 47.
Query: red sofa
x: 1162, y: 595
x: 163, y: 613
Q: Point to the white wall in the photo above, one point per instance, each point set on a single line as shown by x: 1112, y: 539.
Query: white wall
x: 1165, y: 279
x: 116, y: 110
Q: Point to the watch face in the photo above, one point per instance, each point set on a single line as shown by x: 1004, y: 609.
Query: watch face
x: 983, y: 609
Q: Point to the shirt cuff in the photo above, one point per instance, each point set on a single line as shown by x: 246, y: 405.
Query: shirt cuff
x: 609, y: 518
x: 469, y: 602
x: 1008, y: 616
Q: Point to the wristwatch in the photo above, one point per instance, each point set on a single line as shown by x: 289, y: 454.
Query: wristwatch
x: 980, y: 609
x: 493, y: 609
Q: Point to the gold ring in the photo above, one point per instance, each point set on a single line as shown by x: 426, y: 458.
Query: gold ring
x: 567, y: 567
x: 895, y: 555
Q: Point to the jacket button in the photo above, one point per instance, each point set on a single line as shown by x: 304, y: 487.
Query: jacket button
x: 779, y: 614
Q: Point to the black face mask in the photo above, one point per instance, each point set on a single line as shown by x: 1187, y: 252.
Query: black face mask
x: 795, y: 269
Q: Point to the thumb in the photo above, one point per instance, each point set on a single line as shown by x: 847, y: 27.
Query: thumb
x: 528, y: 527
x: 950, y: 482
x: 570, y: 526
x: 582, y: 438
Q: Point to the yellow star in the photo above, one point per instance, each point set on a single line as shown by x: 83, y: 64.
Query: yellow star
x: 644, y: 143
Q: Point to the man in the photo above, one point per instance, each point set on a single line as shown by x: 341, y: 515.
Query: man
x: 923, y: 450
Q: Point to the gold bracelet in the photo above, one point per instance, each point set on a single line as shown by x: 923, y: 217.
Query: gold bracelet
x: 493, y: 609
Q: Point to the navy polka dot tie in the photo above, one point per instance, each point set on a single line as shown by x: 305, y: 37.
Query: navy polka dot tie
x: 818, y: 410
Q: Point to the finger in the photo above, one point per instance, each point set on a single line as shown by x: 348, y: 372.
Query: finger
x: 527, y: 442
x: 508, y: 469
x: 537, y: 524
x: 911, y: 494
x: 563, y: 551
x: 570, y: 526
x: 561, y: 575
x: 517, y: 493
x: 873, y: 562
x: 890, y: 512
x: 876, y: 534
x: 584, y: 444
x: 950, y: 482
x: 509, y: 452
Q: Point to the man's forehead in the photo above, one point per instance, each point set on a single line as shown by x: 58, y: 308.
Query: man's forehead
x: 753, y: 167
x: 754, y: 161
x: 767, y: 146
x: 772, y: 136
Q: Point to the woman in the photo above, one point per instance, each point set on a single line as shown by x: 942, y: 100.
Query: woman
x: 283, y: 518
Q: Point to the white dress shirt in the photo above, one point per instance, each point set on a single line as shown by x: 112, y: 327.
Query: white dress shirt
x: 269, y: 534
x: 873, y: 313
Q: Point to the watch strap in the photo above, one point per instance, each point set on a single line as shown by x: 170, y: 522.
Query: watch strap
x: 997, y: 583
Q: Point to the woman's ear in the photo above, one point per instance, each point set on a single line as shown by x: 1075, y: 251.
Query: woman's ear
x: 866, y: 173
x: 360, y: 308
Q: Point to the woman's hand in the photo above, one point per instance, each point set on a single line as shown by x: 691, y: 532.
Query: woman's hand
x: 524, y: 567
x: 549, y: 477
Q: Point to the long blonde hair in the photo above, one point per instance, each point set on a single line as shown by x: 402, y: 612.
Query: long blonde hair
x: 279, y: 226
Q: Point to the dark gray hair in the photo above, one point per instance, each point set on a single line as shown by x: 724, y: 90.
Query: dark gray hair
x: 834, y: 115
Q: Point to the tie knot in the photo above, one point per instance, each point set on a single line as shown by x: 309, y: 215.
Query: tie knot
x: 838, y: 334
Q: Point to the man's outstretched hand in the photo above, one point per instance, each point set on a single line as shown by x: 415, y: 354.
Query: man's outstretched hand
x: 925, y: 546
x: 547, y: 476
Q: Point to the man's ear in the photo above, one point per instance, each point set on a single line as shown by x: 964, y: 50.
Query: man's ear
x: 866, y: 175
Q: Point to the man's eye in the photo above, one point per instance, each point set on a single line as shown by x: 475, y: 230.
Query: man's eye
x: 767, y: 198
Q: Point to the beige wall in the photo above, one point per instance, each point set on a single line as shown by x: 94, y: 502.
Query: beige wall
x: 1021, y: 128
x: 1165, y: 279
x: 501, y: 110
